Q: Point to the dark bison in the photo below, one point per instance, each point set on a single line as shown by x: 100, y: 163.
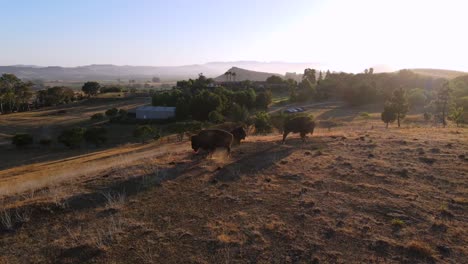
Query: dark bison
x: 301, y: 124
x: 210, y: 139
x: 239, y: 134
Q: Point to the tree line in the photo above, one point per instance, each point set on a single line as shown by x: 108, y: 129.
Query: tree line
x: 202, y: 100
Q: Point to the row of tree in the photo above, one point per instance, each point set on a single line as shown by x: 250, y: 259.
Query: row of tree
x: 14, y: 94
x: 441, y: 107
x: 201, y: 100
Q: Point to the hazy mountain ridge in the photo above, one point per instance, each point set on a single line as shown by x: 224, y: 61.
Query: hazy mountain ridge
x: 166, y: 73
x: 172, y: 73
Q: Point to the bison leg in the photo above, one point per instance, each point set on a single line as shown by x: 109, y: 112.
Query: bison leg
x: 285, y: 134
x: 228, y: 151
x: 303, y: 136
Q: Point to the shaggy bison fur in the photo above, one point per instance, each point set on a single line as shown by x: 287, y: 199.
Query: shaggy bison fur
x: 210, y: 139
x: 302, y: 125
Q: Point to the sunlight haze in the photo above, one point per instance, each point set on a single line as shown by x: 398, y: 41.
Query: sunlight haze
x: 335, y: 34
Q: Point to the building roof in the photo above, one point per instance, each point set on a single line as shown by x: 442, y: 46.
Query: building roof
x: 155, y: 108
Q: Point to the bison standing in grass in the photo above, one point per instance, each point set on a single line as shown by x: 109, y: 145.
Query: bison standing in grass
x: 301, y: 124
x: 211, y: 139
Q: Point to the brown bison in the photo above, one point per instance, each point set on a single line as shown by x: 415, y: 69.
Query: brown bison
x: 239, y: 134
x: 210, y: 139
x: 301, y: 124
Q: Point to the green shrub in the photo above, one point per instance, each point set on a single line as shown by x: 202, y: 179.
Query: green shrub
x: 262, y: 123
x: 427, y: 116
x: 112, y: 112
x: 238, y: 113
x: 215, y: 117
x: 21, y: 140
x: 364, y: 115
x: 144, y: 132
x: 96, y: 136
x: 97, y: 116
x: 45, y: 141
x: 72, y: 138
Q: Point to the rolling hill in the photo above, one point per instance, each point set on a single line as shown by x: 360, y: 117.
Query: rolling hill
x: 439, y: 73
x: 243, y: 75
x: 166, y: 73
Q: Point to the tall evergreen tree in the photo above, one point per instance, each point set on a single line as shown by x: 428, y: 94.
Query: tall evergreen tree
x: 399, y: 103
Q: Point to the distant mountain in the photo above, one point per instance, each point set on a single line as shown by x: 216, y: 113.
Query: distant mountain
x: 438, y: 73
x: 243, y: 74
x: 105, y: 72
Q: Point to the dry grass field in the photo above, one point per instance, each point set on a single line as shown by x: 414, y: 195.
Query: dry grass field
x: 49, y: 122
x: 356, y: 194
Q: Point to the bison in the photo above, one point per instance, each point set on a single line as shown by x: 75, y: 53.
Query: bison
x: 210, y: 139
x: 302, y: 125
x: 239, y: 134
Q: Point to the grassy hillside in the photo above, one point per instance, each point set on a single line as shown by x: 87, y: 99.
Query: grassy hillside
x: 356, y: 194
x: 438, y: 73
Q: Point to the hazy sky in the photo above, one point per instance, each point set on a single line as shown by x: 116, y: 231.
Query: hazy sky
x: 342, y: 34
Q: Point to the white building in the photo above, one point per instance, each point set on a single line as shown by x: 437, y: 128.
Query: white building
x: 155, y: 112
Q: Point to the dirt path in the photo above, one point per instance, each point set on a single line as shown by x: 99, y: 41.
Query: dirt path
x: 38, y: 175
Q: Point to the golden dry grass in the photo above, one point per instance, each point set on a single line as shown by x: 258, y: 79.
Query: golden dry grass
x: 334, y: 199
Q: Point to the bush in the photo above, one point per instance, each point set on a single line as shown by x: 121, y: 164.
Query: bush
x: 72, y: 138
x: 112, y: 89
x: 238, y: 113
x: 427, y: 116
x: 364, y: 115
x: 97, y: 116
x: 45, y: 141
x: 263, y: 100
x: 143, y: 132
x: 21, y: 140
x: 112, y: 112
x: 262, y: 123
x: 215, y: 117
x: 96, y: 136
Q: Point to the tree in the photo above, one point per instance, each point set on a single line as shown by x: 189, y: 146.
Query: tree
x: 55, y: 96
x: 203, y: 103
x: 182, y: 111
x: 112, y: 112
x: 274, y: 79
x: 14, y: 93
x: 238, y: 113
x: 22, y: 140
x: 388, y: 115
x: 320, y: 78
x: 143, y: 133
x: 96, y: 136
x: 309, y: 74
x: 399, y: 104
x: 416, y: 97
x: 234, y: 76
x: 263, y: 100
x: 156, y: 80
x: 456, y: 115
x: 442, y: 102
x: 215, y: 117
x: 91, y: 88
x: 262, y: 123
x: 292, y: 85
x: 72, y: 138
x: 327, y: 75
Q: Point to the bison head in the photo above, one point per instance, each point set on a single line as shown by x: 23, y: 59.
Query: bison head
x: 239, y: 133
x: 195, y: 143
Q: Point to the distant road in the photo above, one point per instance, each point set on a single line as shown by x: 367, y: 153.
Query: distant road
x: 306, y: 106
